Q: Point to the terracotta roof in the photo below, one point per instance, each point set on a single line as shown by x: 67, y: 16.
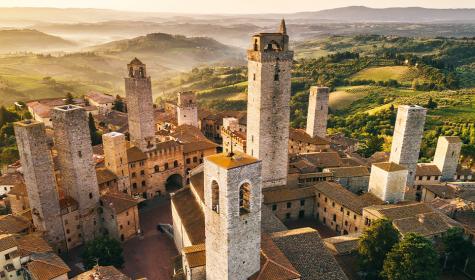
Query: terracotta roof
x: 199, y: 146
x: 274, y: 264
x: 134, y: 154
x: 354, y: 171
x: 31, y: 244
x: 345, y: 197
x: 46, y: 266
x: 274, y: 195
x: 230, y: 162
x: 306, y: 251
x: 302, y: 136
x: 323, y: 159
x: 343, y: 244
x: 427, y: 170
x: 303, y: 166
x: 18, y: 189
x: 13, y: 224
x: 425, y: 224
x: 453, y: 139
x: 442, y: 191
x: 100, y: 97
x: 7, y: 241
x: 195, y: 255
x: 11, y: 179
x: 187, y: 134
x: 165, y: 117
x: 136, y: 61
x: 269, y: 221
x: 379, y: 157
x: 114, y: 118
x: 389, y: 166
x: 104, y: 175
x: 466, y: 218
x: 98, y: 150
x: 119, y: 202
x: 39, y: 109
x: 102, y: 273
x: 167, y: 145
x: 198, y: 184
x: 400, y: 211
x: 191, y: 215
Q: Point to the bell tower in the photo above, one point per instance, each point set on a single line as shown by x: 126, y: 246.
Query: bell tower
x: 138, y: 91
x: 233, y: 198
x: 268, y: 110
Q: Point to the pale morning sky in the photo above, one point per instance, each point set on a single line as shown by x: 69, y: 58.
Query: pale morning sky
x: 233, y: 6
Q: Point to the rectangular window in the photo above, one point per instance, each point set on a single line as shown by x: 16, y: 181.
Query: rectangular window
x: 289, y: 204
x: 274, y: 207
x: 302, y: 202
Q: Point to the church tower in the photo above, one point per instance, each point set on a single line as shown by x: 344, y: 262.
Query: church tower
x: 317, y: 116
x: 233, y: 199
x: 187, y: 109
x: 138, y: 91
x: 268, y: 110
x: 37, y: 166
x: 72, y: 140
x: 115, y: 155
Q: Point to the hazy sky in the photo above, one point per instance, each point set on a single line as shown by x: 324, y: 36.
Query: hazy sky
x: 233, y: 6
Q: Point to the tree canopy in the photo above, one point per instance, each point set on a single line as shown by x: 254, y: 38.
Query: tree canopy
x: 103, y: 251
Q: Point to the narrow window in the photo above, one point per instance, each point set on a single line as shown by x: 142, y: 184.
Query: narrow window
x: 90, y: 195
x: 215, y: 196
x: 244, y: 199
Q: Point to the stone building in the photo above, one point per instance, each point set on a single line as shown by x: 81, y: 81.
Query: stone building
x: 291, y: 204
x: 102, y: 101
x: 10, y: 258
x: 107, y: 181
x: 447, y: 156
x: 406, y: 144
x: 354, y: 178
x: 138, y: 90
x: 187, y: 109
x: 426, y: 174
x: 268, y: 110
x: 301, y: 142
x: 73, y: 144
x: 388, y: 181
x: 40, y: 181
x: 102, y: 272
x: 70, y: 216
x: 115, y: 156
x: 318, y: 111
x: 120, y: 215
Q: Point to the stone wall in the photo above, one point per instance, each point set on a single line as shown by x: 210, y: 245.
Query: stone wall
x: 115, y: 155
x: 294, y: 209
x: 336, y: 216
x: 317, y: 116
x: 187, y: 109
x: 447, y: 156
x: 388, y: 185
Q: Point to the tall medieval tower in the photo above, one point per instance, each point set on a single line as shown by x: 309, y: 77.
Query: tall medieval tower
x: 115, y: 154
x: 187, y: 109
x: 268, y: 110
x: 447, y: 156
x: 317, y: 116
x: 233, y: 199
x: 138, y: 91
x: 73, y: 142
x: 38, y: 172
x: 407, y: 138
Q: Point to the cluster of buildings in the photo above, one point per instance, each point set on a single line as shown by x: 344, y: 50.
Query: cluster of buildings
x: 229, y: 209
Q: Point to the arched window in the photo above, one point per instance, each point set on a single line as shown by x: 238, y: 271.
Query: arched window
x: 166, y: 166
x: 131, y: 72
x: 142, y: 72
x: 157, y: 168
x: 244, y: 199
x: 215, y: 196
x: 175, y: 163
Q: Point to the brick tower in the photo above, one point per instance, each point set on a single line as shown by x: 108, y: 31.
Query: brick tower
x: 407, y: 138
x: 38, y: 172
x: 115, y: 155
x: 233, y: 199
x: 447, y: 156
x: 73, y: 142
x: 317, y: 116
x: 138, y: 90
x: 268, y: 110
x: 187, y: 109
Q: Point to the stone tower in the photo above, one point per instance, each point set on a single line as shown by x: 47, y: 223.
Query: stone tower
x: 73, y: 142
x: 268, y: 111
x: 233, y: 199
x: 38, y: 171
x: 115, y: 154
x: 187, y: 109
x: 138, y: 90
x: 407, y: 138
x: 388, y: 181
x: 317, y: 117
x: 447, y: 156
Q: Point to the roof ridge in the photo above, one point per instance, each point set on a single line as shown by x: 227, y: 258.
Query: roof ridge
x: 269, y: 260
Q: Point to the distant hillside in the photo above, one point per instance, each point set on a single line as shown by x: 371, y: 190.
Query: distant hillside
x: 174, y: 51
x: 410, y: 14
x: 30, y: 40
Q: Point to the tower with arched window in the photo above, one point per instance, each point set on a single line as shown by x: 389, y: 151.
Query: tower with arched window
x: 233, y: 198
x: 138, y: 91
x: 268, y: 110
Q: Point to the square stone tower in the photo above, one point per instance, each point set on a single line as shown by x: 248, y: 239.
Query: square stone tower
x: 317, y: 116
x: 38, y: 171
x: 407, y: 138
x: 72, y: 140
x: 388, y: 181
x: 138, y: 91
x: 233, y: 199
x: 268, y: 110
x: 115, y: 155
x: 187, y: 109
x: 447, y: 156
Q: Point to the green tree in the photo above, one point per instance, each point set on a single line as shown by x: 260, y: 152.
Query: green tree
x: 457, y: 248
x: 374, y: 244
x: 103, y: 251
x: 96, y: 138
x: 69, y: 98
x: 119, y: 104
x: 431, y: 104
x: 372, y: 145
x: 414, y: 258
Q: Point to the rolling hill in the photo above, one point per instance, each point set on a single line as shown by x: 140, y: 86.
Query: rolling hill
x: 28, y: 40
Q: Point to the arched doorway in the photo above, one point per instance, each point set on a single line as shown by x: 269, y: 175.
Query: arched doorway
x: 174, y: 183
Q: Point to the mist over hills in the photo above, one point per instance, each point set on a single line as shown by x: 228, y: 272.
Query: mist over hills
x: 23, y: 40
